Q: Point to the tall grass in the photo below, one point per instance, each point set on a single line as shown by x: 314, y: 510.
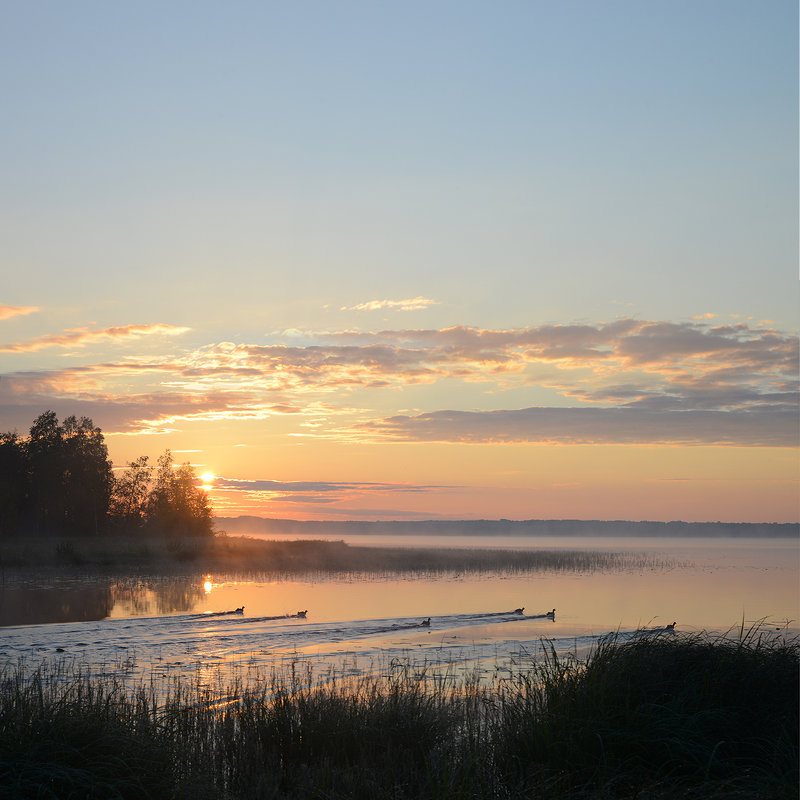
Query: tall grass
x: 241, y: 554
x: 717, y: 712
x: 63, y: 734
x: 658, y: 717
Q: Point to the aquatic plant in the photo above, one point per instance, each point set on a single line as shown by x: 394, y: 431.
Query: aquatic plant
x: 660, y: 716
x: 719, y: 710
x: 170, y: 555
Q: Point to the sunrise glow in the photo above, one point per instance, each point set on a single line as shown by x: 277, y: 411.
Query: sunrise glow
x: 515, y: 276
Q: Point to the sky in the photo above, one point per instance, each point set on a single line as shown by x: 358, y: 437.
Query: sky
x: 419, y: 260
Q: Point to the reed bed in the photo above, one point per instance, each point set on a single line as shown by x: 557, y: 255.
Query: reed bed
x: 659, y: 716
x: 242, y: 554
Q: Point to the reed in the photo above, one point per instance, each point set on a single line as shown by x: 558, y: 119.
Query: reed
x: 658, y: 716
x: 236, y: 554
x: 719, y: 712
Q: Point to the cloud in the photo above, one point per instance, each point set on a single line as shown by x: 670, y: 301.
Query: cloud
x: 414, y: 304
x: 770, y: 427
x: 348, y: 512
x: 6, y: 312
x: 671, y: 344
x: 659, y: 358
x: 737, y: 380
x: 82, y: 336
x: 154, y: 417
x: 84, y: 391
x: 290, y: 487
x: 315, y: 492
x: 690, y: 361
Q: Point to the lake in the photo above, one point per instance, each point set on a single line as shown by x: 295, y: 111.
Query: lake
x: 168, y: 627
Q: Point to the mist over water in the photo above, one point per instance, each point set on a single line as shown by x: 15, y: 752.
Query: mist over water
x: 148, y: 626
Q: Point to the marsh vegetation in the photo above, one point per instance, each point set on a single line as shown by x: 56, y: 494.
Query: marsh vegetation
x: 243, y: 554
x: 656, y: 716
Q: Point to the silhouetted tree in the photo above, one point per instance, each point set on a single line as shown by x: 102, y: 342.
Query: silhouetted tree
x: 131, y: 495
x: 70, y: 475
x: 59, y: 481
x: 177, y: 505
x: 15, y: 499
x: 45, y: 448
x: 87, y: 476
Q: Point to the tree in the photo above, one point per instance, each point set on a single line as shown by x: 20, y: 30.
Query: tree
x: 87, y: 476
x: 177, y: 505
x: 46, y: 464
x: 59, y: 480
x: 131, y: 495
x: 70, y: 475
x: 15, y: 500
x: 190, y: 503
x: 164, y: 499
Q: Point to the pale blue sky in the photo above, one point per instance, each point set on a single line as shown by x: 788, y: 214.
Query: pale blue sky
x: 241, y: 169
x: 519, y: 162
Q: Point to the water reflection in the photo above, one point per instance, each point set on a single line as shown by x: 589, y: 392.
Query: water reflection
x: 36, y: 606
x: 92, y: 600
x: 140, y: 598
x: 707, y: 586
x: 177, y: 628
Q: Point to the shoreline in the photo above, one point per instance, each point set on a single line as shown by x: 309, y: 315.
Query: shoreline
x: 568, y: 528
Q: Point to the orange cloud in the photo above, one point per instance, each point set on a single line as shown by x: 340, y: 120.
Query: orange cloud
x: 6, y: 312
x: 83, y: 336
x: 739, y: 380
x: 332, y: 498
x: 660, y: 358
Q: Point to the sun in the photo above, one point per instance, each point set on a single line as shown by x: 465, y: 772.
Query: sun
x: 207, y: 477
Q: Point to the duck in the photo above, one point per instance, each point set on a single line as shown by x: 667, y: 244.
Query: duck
x: 426, y: 623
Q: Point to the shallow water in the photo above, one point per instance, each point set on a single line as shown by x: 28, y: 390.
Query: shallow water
x: 167, y: 627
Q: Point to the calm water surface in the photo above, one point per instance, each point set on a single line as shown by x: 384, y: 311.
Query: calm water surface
x: 173, y: 626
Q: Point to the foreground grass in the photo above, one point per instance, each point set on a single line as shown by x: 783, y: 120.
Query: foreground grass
x: 657, y: 717
x: 223, y: 553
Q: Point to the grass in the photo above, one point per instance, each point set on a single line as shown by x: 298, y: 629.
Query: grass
x: 239, y: 554
x: 656, y: 717
x: 721, y: 712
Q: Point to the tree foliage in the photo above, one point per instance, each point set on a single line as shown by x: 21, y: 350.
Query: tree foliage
x: 161, y: 499
x: 59, y: 481
x: 14, y: 484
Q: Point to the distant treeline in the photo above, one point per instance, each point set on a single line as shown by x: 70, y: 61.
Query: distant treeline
x: 507, y: 527
x: 58, y: 481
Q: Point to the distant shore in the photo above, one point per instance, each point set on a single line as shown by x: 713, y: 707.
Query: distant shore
x: 265, y: 526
